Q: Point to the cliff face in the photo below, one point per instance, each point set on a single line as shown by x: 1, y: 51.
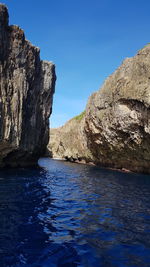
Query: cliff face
x: 69, y: 141
x: 117, y: 120
x: 26, y: 92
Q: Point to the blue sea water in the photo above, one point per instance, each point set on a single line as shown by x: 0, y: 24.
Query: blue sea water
x: 66, y: 215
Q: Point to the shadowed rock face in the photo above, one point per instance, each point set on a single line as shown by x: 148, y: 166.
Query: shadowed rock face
x: 116, y: 126
x: 26, y: 93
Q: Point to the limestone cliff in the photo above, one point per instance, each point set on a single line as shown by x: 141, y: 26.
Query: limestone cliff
x: 26, y: 93
x: 116, y: 126
x: 69, y: 142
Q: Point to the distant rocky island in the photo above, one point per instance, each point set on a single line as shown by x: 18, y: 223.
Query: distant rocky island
x: 26, y: 93
x: 114, y: 130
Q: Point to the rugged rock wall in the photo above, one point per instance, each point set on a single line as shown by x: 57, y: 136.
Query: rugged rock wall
x: 69, y: 141
x: 26, y: 92
x: 117, y: 120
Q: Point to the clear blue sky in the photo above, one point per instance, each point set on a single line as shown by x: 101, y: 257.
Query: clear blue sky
x: 86, y: 39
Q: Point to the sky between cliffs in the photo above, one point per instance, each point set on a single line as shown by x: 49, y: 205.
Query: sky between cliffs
x: 86, y: 39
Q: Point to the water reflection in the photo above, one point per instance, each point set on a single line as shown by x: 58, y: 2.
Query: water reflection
x: 66, y: 214
x: 21, y: 200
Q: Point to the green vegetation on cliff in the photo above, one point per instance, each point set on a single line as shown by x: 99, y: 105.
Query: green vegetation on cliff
x: 80, y: 116
x: 114, y: 131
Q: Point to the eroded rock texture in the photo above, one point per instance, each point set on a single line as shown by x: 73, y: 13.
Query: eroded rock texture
x: 69, y: 141
x: 26, y: 93
x: 116, y: 126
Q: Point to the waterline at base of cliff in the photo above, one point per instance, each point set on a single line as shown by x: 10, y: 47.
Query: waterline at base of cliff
x: 114, y: 130
x: 65, y: 214
x: 27, y: 85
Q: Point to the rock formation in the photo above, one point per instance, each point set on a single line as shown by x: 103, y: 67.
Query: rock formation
x: 69, y: 142
x: 116, y: 126
x: 26, y: 92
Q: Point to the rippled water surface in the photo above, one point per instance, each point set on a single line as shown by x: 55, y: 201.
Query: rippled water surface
x: 69, y: 215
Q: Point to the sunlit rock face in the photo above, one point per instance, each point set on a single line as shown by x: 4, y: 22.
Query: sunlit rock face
x: 118, y: 116
x: 69, y: 141
x: 116, y: 126
x: 26, y: 93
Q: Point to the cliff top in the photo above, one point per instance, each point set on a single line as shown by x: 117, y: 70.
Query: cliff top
x: 4, y: 16
x: 3, y: 7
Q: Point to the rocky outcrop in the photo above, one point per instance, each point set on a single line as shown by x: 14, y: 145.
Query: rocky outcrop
x: 26, y: 93
x: 69, y: 142
x: 116, y: 126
